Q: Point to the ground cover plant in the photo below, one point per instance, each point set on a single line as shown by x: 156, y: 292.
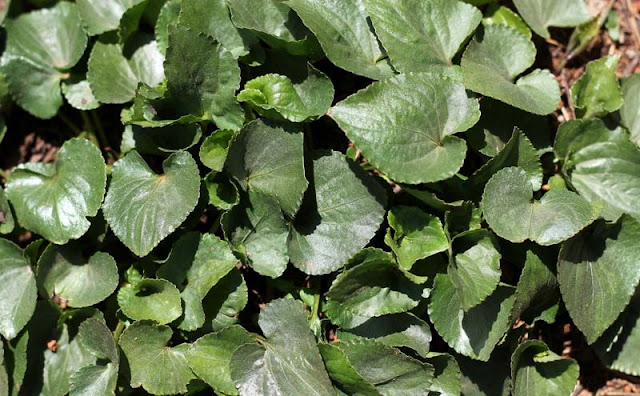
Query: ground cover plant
x: 319, y: 197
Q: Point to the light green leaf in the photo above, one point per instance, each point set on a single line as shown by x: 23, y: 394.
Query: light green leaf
x: 417, y: 235
x: 378, y: 369
x: 161, y: 140
x: 168, y: 15
x: 267, y: 157
x: 541, y: 14
x: 343, y: 30
x: 4, y: 8
x: 223, y: 193
x: 513, y: 214
x: 158, y: 368
x: 594, y: 293
x: 404, y: 125
x: 495, y: 58
x: 474, y: 333
x: 214, y: 149
x: 114, y: 78
x: 151, y: 299
x: 276, y: 96
x: 417, y: 34
x: 535, y: 370
x: 6, y: 216
x: 602, y: 165
x: 54, y: 200
x: 375, y: 288
x: 202, y: 79
x: 103, y: 15
x: 501, y: 15
x: 18, y: 283
x: 257, y: 230
x: 79, y: 95
x: 100, y: 379
x: 51, y: 37
x: 322, y: 237
x: 197, y: 263
x: 475, y: 270
x: 65, y: 272
x: 225, y: 300
x: 397, y: 330
x: 142, y: 207
x: 209, y: 357
x: 281, y: 367
x: 597, y: 92
x: 630, y: 110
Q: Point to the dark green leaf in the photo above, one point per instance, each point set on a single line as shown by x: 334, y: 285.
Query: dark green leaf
x: 597, y: 92
x: 6, y: 216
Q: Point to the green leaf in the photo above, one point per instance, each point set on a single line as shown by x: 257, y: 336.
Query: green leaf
x: 151, y: 299
x: 210, y: 356
x: 202, y: 79
x: 629, y: 112
x: 214, y: 149
x: 501, y: 15
x: 114, y: 78
x: 322, y: 237
x: 160, y: 141
x: 79, y: 95
x: 475, y: 270
x: 158, y: 368
x: 214, y: 20
x: 225, y: 300
x: 294, y: 101
x: 537, y: 292
x: 257, y: 230
x: 142, y: 207
x: 52, y: 37
x: 421, y: 33
x: 535, y: 370
x: 343, y: 30
x: 602, y: 165
x: 65, y: 272
x: 495, y: 58
x: 375, y: 288
x: 421, y: 111
x: 397, y: 330
x: 197, y: 263
x: 597, y: 92
x: 4, y: 9
x: 446, y: 379
x: 4, y: 378
x: 417, y: 235
x: 279, y: 366
x: 100, y: 379
x: 594, y: 293
x: 6, y: 216
x: 223, y: 193
x: 474, y: 333
x: 267, y: 157
x: 103, y: 15
x: 541, y: 14
x: 513, y: 214
x: 18, y: 283
x: 54, y: 200
x: 168, y: 15
x: 368, y: 368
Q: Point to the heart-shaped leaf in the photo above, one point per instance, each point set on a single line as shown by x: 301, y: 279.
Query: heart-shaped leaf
x: 103, y: 15
x: 142, y: 207
x: 343, y: 30
x: 209, y: 357
x: 54, y: 200
x: 64, y: 272
x: 417, y: 34
x: 322, y: 238
x: 18, y: 283
x: 158, y: 368
x: 540, y: 14
x: 630, y: 110
x: 513, y: 214
x: 493, y: 60
x: 196, y: 264
x: 535, y: 370
x: 285, y: 367
x: 597, y: 92
x: 151, y: 299
x: 421, y: 111
x: 267, y: 157
x: 594, y: 293
x: 79, y: 95
x: 6, y: 216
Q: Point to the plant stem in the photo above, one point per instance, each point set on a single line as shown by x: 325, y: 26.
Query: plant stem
x: 77, y: 131
x: 119, y: 329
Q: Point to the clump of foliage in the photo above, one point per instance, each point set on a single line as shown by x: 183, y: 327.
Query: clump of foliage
x: 311, y: 197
